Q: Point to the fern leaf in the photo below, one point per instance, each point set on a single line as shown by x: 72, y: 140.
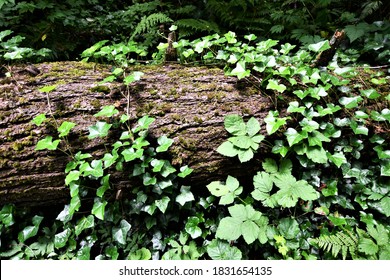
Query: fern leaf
x: 343, y: 242
x: 149, y: 22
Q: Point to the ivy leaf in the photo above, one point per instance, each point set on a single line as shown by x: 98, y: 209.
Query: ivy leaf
x: 98, y: 208
x: 273, y: 123
x: 144, y: 123
x: 164, y: 144
x: 140, y: 254
x: 184, y: 196
x: 61, y: 238
x: 47, y: 89
x: 184, y: 171
x: 240, y: 71
x: 289, y: 228
x: 130, y: 154
x: 221, y: 250
x: 350, y: 102
x: 65, y: 128
x: 317, y: 154
x: 274, y: 84
x: 84, y: 223
x: 192, y: 228
x: 370, y: 93
x: 337, y: 158
x: 135, y: 76
x: 107, y: 111
x: 47, y: 143
x: 73, y: 175
x: 293, y: 136
x: 119, y: 234
x: 99, y: 130
x: 162, y: 203
x: 30, y: 231
x: 39, y: 119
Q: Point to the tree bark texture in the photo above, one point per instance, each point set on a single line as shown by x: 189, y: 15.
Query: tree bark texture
x: 189, y: 104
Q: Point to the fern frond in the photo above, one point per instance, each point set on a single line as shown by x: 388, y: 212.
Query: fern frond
x: 149, y: 22
x: 341, y: 242
x: 190, y: 26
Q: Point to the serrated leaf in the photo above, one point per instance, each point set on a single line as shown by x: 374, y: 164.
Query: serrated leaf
x: 245, y: 155
x: 227, y: 149
x: 235, y: 125
x: 385, y: 204
x: 250, y: 231
x: 367, y: 246
x: 217, y: 188
x: 220, y: 250
x: 229, y: 228
x: 252, y: 127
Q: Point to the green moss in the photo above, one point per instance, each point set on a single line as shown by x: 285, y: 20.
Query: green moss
x: 95, y: 103
x: 101, y: 88
x: 187, y: 144
x: 198, y: 120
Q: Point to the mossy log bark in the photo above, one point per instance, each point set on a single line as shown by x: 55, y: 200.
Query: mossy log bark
x: 189, y: 104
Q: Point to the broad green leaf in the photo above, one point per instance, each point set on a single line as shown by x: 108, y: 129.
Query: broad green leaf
x: 184, y: 171
x: 309, y: 125
x: 379, y: 233
x: 135, y: 76
x: 229, y: 228
x: 293, y: 136
x: 73, y: 175
x: 250, y: 231
x: 367, y: 246
x: 217, y: 188
x: 221, y: 250
x: 245, y: 155
x: 119, y: 234
x: 47, y: 89
x: 242, y: 141
x: 65, y: 128
x: 98, y: 208
x: 240, y: 71
x: 274, y: 84
x: 273, y: 123
x: 107, y: 111
x: 140, y: 254
x: 148, y: 179
x: 164, y: 143
x: 185, y: 195
x: 231, y: 37
x: 227, y: 149
x: 47, y: 143
x: 337, y: 158
x: 263, y: 184
x: 39, y: 119
x: 61, y: 238
x: 130, y: 154
x: 370, y: 93
x: 385, y: 167
x: 385, y: 204
x: 252, y: 127
x: 337, y: 221
x: 192, y: 228
x: 279, y: 148
x: 320, y: 46
x: 6, y: 214
x: 269, y: 165
x: 235, y: 125
x: 84, y: 223
x: 30, y: 231
x: 104, y: 186
x: 163, y: 203
x: 144, y: 123
x: 350, y: 102
x: 317, y: 154
x: 100, y: 129
x: 322, y: 210
x: 288, y: 228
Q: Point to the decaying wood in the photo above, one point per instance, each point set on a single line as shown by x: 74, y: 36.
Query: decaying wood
x: 326, y: 56
x: 189, y: 104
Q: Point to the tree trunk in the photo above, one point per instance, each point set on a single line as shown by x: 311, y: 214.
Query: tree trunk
x: 189, y: 104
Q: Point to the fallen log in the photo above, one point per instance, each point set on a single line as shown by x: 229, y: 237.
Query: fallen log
x: 189, y: 104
